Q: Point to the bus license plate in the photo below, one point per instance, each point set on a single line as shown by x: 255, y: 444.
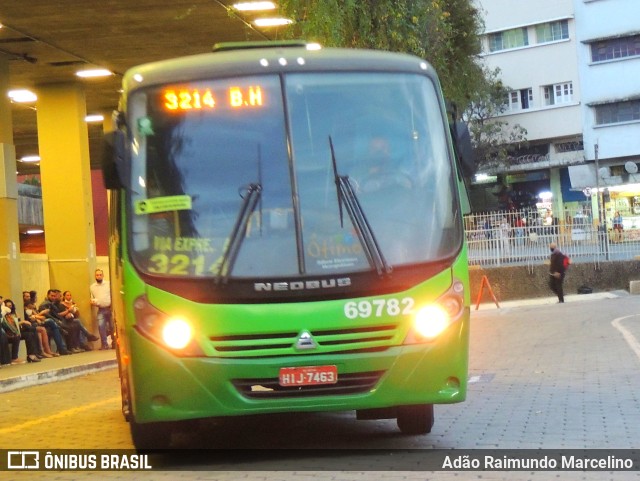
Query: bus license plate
x: 308, y: 375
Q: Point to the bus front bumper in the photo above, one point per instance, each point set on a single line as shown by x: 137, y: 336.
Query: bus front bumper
x: 170, y: 388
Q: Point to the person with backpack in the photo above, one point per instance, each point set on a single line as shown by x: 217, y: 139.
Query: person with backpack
x: 557, y: 269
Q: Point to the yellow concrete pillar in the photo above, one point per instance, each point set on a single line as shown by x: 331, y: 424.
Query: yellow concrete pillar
x: 10, y: 272
x: 66, y: 191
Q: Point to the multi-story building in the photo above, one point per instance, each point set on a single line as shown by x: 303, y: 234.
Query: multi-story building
x: 571, y: 67
x: 608, y: 55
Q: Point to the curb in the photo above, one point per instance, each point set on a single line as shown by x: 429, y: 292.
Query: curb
x: 536, y: 301
x: 55, y: 375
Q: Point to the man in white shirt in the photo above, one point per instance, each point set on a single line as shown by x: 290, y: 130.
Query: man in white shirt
x: 101, y: 298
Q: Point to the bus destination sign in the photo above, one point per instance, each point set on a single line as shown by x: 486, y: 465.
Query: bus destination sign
x: 186, y: 99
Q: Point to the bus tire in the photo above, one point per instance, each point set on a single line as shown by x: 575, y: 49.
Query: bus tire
x: 150, y: 435
x: 124, y: 389
x: 417, y: 419
x: 126, y: 399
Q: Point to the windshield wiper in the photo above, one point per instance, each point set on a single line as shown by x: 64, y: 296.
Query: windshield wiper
x: 250, y: 194
x: 250, y: 198
x: 348, y: 198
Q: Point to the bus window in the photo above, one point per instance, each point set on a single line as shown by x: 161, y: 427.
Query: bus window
x: 389, y: 140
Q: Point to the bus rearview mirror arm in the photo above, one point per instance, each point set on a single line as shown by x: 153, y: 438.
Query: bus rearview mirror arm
x: 113, y: 159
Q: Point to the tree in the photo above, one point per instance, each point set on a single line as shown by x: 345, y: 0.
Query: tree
x: 494, y: 140
x: 444, y: 32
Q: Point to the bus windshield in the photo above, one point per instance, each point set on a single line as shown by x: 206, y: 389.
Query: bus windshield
x: 246, y: 177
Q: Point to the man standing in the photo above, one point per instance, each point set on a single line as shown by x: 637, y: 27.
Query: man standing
x: 101, y: 298
x: 556, y: 271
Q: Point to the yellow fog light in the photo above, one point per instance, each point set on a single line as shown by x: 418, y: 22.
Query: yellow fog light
x: 430, y: 321
x: 176, y: 333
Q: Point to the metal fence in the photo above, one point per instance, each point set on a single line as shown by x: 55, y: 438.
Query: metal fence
x: 523, y: 237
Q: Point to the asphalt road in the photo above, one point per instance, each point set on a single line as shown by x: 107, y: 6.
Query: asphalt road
x: 543, y: 376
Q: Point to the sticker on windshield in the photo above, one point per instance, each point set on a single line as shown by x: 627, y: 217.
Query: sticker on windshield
x: 162, y: 204
x: 145, y: 126
x: 335, y: 251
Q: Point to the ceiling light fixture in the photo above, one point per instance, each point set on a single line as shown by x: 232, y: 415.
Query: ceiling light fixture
x: 92, y: 73
x: 272, y: 22
x: 94, y: 118
x: 30, y: 158
x: 22, y: 95
x: 35, y: 231
x: 253, y: 6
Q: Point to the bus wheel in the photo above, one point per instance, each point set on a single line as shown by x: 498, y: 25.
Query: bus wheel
x: 416, y: 419
x: 126, y: 399
x: 150, y: 435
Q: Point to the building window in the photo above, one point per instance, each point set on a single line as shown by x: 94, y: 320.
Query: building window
x: 617, y: 112
x: 519, y: 99
x: 571, y: 146
x: 615, y: 48
x: 552, y: 31
x: 513, y: 102
x: 558, y: 93
x: 513, y: 38
x: 526, y: 98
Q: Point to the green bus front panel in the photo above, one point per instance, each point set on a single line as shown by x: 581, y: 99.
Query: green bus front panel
x: 376, y: 372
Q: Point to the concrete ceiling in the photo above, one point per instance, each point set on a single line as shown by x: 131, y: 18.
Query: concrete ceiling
x: 48, y: 41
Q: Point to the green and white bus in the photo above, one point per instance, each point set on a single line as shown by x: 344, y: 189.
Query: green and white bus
x: 286, y: 236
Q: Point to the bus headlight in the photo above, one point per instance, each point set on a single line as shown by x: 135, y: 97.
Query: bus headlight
x: 177, y: 333
x: 173, y: 333
x: 432, y: 320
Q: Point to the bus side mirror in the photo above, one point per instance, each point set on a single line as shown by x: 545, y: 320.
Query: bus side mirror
x: 464, y: 149
x: 113, y: 160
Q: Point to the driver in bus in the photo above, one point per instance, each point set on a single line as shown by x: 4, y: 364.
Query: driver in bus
x: 381, y: 171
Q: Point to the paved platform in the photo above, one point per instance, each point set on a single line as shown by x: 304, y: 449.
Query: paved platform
x: 18, y: 376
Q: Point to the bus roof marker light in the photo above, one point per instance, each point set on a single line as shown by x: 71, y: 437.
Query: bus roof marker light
x: 313, y: 46
x: 264, y: 62
x: 424, y: 66
x: 282, y: 61
x: 138, y: 77
x: 253, y: 6
x: 300, y: 61
x: 22, y: 96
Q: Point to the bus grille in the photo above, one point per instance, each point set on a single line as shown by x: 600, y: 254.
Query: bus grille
x: 270, y: 389
x: 333, y: 341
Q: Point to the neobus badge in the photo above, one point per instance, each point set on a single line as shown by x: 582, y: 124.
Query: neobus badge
x: 302, y: 285
x: 305, y: 341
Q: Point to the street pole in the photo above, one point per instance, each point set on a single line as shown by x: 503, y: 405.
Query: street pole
x: 602, y: 218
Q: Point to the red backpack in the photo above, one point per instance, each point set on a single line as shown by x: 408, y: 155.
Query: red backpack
x: 566, y: 261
